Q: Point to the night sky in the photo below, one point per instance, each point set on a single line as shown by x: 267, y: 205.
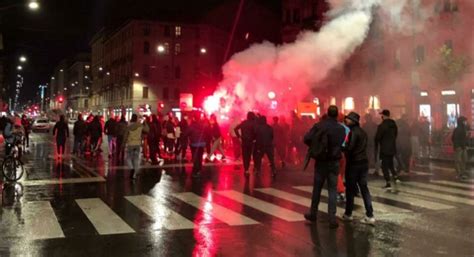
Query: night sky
x: 62, y: 28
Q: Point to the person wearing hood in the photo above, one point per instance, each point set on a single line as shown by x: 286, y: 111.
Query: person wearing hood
x: 460, y: 139
x: 357, y: 169
x: 386, y: 147
x: 79, y: 131
x: 133, y: 139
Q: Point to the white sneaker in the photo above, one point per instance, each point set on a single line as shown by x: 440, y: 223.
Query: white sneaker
x: 161, y: 162
x: 368, y: 221
x: 347, y: 217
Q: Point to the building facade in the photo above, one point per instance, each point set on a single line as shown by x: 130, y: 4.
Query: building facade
x: 78, y: 85
x: 58, y: 86
x: 144, y: 66
x: 408, y: 71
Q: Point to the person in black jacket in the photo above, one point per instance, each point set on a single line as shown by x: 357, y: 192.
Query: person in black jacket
x: 264, y: 144
x: 327, y: 165
x: 154, y: 136
x: 79, y: 131
x: 404, y: 148
x: 246, y: 132
x: 61, y: 131
x: 197, y: 140
x: 110, y: 130
x: 357, y: 169
x: 95, y: 132
x: 386, y: 146
x: 460, y: 140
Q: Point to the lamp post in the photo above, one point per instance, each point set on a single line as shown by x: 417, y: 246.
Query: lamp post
x: 42, y: 88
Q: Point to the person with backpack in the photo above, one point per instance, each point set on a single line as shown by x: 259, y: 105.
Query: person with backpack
x: 325, y: 141
x: 357, y: 169
x: 386, y: 147
x: 245, y: 131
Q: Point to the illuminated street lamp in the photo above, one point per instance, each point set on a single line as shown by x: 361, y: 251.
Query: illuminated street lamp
x: 23, y: 59
x: 33, y: 5
x: 271, y: 95
x: 203, y: 50
x: 161, y: 49
x: 19, y: 67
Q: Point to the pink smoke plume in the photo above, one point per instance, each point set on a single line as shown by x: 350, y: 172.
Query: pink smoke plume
x: 292, y: 70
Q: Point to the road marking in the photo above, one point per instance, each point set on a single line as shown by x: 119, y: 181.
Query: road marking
x: 104, y: 219
x: 262, y: 206
x: 378, y: 207
x: 452, y: 183
x: 439, y: 188
x: 164, y: 217
x: 421, y: 192
x: 41, y: 221
x: 303, y: 201
x: 227, y: 216
x: 60, y: 181
x: 405, y: 198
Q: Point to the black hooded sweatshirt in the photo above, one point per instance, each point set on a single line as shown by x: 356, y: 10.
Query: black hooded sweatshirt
x: 386, y: 138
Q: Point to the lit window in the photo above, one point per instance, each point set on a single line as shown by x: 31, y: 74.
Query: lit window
x: 374, y: 103
x: 448, y: 92
x: 167, y: 48
x: 332, y: 101
x: 349, y: 103
x: 177, y: 30
x: 177, y: 49
x: 424, y: 93
x: 87, y: 67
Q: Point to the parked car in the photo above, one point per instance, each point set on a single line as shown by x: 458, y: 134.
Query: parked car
x: 41, y: 124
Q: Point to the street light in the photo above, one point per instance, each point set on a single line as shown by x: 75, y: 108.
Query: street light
x: 23, y: 58
x: 161, y: 49
x: 33, y: 5
x: 19, y: 67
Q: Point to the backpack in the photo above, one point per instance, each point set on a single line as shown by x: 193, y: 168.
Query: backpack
x: 318, y: 145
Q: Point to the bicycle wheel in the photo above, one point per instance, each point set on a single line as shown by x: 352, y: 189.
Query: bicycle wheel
x: 12, y: 169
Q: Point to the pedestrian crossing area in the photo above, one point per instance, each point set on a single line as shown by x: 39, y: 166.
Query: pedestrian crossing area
x: 43, y: 220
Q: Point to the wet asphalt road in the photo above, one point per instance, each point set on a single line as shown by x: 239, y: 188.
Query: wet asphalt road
x: 90, y: 207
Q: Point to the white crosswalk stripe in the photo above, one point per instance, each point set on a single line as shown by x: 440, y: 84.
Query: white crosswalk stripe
x: 429, y: 194
x: 303, y: 201
x: 413, y: 201
x: 439, y: 188
x: 228, y: 216
x: 378, y: 207
x: 40, y: 221
x: 104, y: 219
x: 451, y: 183
x: 272, y: 209
x: 164, y: 217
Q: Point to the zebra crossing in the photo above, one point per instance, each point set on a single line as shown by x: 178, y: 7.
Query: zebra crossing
x: 41, y: 222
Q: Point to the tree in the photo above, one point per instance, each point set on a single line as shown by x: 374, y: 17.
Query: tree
x: 450, y: 68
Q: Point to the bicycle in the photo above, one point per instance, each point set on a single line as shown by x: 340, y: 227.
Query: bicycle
x: 12, y: 166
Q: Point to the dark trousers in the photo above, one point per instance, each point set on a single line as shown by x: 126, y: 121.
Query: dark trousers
x: 388, y: 167
x: 60, y: 145
x: 197, y: 153
x: 182, y: 147
x: 78, y: 145
x: 8, y: 149
x: 120, y: 148
x: 26, y: 139
x: 281, y: 151
x: 260, y: 152
x: 356, y: 175
x: 154, y: 145
x: 236, y: 147
x: 325, y: 171
x: 247, y: 151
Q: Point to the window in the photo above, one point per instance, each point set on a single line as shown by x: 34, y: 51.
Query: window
x: 166, y: 72
x: 177, y: 31
x: 166, y: 93
x: 176, y: 93
x: 167, y: 31
x: 177, y: 49
x: 419, y: 54
x: 288, y: 16
x: 146, y: 30
x: 177, y: 72
x: 167, y: 48
x: 145, y: 92
x: 146, y: 48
